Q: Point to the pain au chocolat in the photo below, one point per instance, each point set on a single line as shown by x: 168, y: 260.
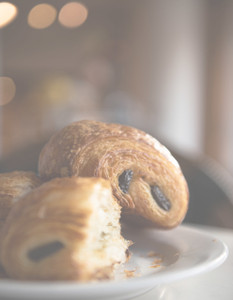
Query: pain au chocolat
x: 146, y: 179
x: 66, y: 229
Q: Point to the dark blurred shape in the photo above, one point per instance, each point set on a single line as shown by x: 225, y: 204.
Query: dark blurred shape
x: 25, y: 159
x: 211, y: 196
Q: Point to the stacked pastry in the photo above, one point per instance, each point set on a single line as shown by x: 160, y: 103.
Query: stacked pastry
x: 12, y: 186
x: 69, y: 227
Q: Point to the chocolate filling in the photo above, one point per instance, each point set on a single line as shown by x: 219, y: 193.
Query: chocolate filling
x: 160, y: 198
x: 43, y: 251
x: 124, y: 180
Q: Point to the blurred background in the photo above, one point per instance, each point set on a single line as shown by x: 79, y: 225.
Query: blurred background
x: 165, y: 67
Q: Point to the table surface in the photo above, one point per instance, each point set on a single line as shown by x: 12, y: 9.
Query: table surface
x: 216, y: 284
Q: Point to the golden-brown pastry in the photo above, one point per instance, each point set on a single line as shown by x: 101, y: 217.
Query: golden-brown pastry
x: 66, y: 229
x: 146, y: 179
x: 12, y: 186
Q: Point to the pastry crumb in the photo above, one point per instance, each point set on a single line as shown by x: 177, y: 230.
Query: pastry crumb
x: 152, y: 254
x: 130, y: 273
x: 156, y: 263
x: 155, y: 266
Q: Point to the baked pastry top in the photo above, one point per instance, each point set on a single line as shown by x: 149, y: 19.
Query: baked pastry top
x: 66, y: 229
x: 146, y: 179
x: 12, y: 186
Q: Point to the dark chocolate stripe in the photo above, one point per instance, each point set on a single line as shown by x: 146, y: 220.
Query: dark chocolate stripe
x: 124, y: 180
x: 162, y: 201
x: 44, y: 251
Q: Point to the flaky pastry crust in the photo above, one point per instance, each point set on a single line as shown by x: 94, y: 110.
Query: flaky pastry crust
x: 146, y: 179
x: 13, y: 185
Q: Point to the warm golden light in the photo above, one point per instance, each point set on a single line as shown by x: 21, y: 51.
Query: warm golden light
x: 7, y: 90
x: 42, y: 16
x: 73, y: 14
x: 8, y: 12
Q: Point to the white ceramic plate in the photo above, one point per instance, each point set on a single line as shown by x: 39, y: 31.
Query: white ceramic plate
x: 158, y: 257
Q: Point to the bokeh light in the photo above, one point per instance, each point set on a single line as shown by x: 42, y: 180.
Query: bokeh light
x: 73, y: 14
x: 42, y: 16
x: 7, y: 90
x: 8, y: 12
